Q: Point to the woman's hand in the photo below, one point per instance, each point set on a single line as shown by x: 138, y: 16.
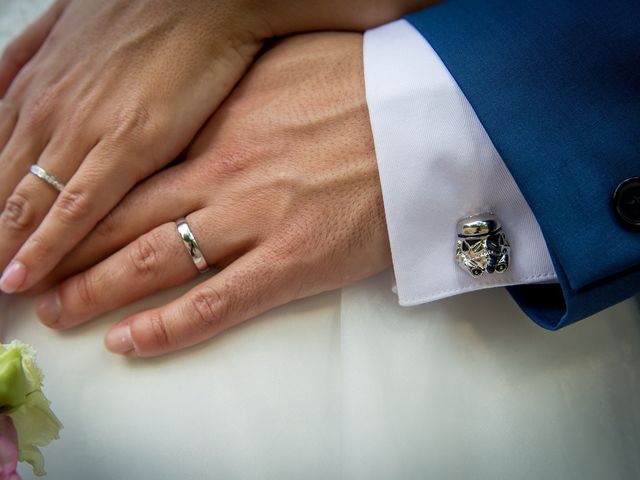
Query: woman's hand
x: 280, y: 188
x: 101, y: 94
x: 105, y: 93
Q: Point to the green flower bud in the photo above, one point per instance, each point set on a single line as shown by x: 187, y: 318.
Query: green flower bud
x: 19, y: 375
x: 23, y: 401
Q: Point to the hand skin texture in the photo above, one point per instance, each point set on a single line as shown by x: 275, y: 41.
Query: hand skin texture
x: 281, y: 190
x: 103, y: 94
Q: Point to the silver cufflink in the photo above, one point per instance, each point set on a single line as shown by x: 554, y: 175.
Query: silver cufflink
x: 482, y: 245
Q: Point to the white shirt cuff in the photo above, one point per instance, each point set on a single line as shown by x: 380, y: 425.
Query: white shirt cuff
x: 438, y: 165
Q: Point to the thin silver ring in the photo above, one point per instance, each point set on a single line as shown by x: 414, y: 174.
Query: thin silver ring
x: 191, y: 244
x: 42, y: 174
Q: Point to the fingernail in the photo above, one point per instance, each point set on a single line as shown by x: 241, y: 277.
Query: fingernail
x: 119, y: 340
x: 49, y: 309
x: 13, y: 277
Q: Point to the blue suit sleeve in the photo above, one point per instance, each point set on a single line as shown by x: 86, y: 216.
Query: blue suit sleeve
x: 556, y: 84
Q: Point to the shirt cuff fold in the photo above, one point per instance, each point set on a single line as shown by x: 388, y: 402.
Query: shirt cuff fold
x: 438, y: 165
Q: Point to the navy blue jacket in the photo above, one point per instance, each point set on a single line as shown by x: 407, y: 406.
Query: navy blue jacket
x: 556, y: 84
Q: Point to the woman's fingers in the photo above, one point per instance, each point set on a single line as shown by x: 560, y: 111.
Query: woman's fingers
x: 22, y: 213
x: 135, y: 81
x: 248, y: 287
x: 28, y: 204
x: 25, y: 46
x: 160, y: 199
x: 92, y: 192
x: 20, y: 151
x: 153, y: 262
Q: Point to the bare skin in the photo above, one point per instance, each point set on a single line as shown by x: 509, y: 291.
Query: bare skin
x: 281, y: 190
x: 104, y: 94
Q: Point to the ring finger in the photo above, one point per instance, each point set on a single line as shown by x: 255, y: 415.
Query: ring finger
x: 18, y: 151
x: 32, y: 198
x: 155, y: 261
x: 157, y: 197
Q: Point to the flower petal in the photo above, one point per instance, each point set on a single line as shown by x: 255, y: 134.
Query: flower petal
x: 8, y: 449
x: 36, y: 426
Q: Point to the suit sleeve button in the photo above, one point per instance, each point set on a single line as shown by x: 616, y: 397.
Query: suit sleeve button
x: 626, y: 200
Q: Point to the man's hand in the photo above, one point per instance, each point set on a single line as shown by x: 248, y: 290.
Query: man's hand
x: 280, y: 188
x: 101, y: 94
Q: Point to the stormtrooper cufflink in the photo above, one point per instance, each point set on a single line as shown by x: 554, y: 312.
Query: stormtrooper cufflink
x: 482, y: 246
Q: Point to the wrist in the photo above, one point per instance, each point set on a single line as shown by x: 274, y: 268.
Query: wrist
x: 283, y: 17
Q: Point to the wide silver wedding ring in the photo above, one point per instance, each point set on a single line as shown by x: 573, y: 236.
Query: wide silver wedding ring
x: 42, y: 174
x: 191, y: 244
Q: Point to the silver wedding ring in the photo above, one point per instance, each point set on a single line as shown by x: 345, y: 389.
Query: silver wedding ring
x: 42, y: 174
x: 191, y: 244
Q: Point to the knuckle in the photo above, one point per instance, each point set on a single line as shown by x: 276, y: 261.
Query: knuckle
x: 40, y: 249
x: 72, y: 206
x: 85, y: 290
x: 18, y: 213
x: 208, y: 308
x: 160, y: 336
x: 135, y: 124
x: 231, y: 162
x: 41, y: 108
x: 20, y: 84
x: 108, y: 226
x: 144, y: 257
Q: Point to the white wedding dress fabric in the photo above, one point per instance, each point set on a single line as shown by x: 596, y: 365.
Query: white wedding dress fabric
x: 345, y: 385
